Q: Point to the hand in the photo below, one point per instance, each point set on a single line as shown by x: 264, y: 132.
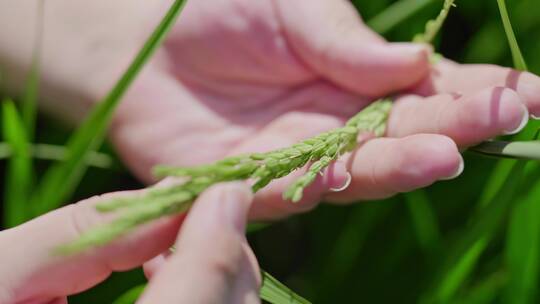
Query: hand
x: 243, y: 76
x: 213, y: 262
x: 238, y: 76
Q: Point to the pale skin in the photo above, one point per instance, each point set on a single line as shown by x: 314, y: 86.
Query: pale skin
x: 238, y: 76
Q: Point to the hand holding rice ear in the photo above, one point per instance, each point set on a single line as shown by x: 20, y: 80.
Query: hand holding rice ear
x: 320, y: 151
x: 262, y: 168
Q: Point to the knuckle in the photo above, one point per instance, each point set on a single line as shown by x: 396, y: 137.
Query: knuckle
x: 83, y: 217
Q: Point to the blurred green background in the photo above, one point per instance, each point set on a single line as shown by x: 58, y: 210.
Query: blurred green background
x: 393, y: 251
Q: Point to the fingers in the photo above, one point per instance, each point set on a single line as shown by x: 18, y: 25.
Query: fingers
x: 386, y: 166
x: 151, y: 267
x: 213, y: 263
x: 467, y: 119
x: 450, y: 77
x: 31, y: 270
x: 269, y: 202
x: 344, y: 50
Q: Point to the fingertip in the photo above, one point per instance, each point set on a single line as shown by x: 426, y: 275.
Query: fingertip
x: 514, y: 113
x: 409, y: 59
x: 424, y: 159
x: 386, y: 166
x: 399, y: 66
x: 529, y: 89
x: 415, y: 53
x: 458, y: 171
x: 151, y: 267
x: 335, y: 178
x: 232, y: 191
x: 491, y: 112
x: 224, y: 205
x: 443, y: 157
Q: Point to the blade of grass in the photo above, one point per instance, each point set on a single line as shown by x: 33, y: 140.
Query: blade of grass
x: 131, y: 296
x: 271, y: 291
x: 424, y: 220
x: 510, y: 178
x: 19, y: 171
x: 503, y: 167
x: 529, y: 150
x: 60, y: 180
x: 462, y: 260
x: 29, y: 100
x: 517, y: 56
x: 523, y: 245
x: 523, y: 249
x: 276, y: 292
x: 395, y: 14
x: 256, y: 227
x: 484, y: 292
x: 349, y: 244
x: 498, y: 196
x: 58, y: 153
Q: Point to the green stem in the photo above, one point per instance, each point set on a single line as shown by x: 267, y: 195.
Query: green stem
x: 396, y: 14
x: 60, y: 181
x: 517, y: 56
x: 58, y: 153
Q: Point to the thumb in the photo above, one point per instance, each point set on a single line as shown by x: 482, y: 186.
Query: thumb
x: 29, y: 271
x: 331, y: 38
x: 213, y: 262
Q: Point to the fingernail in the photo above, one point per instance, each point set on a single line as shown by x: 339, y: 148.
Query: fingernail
x: 522, y: 124
x: 339, y: 177
x: 458, y: 172
x: 236, y: 199
x: 344, y: 186
x: 413, y: 49
x: 535, y: 117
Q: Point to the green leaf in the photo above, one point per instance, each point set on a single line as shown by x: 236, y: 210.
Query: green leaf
x: 462, y: 260
x: 19, y: 171
x: 256, y: 227
x: 461, y: 270
x: 276, y: 292
x: 528, y: 150
x: 501, y: 190
x: 31, y: 92
x: 271, y: 290
x: 486, y: 291
x: 523, y: 249
x: 60, y: 181
x: 58, y: 153
x: 517, y: 56
x: 395, y: 14
x: 424, y: 220
x: 131, y: 296
x: 349, y: 244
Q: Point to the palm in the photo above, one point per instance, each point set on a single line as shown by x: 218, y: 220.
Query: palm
x: 221, y: 82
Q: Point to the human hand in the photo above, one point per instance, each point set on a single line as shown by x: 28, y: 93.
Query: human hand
x: 213, y: 262
x: 243, y: 76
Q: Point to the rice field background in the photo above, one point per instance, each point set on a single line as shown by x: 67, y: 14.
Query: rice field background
x: 444, y: 244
